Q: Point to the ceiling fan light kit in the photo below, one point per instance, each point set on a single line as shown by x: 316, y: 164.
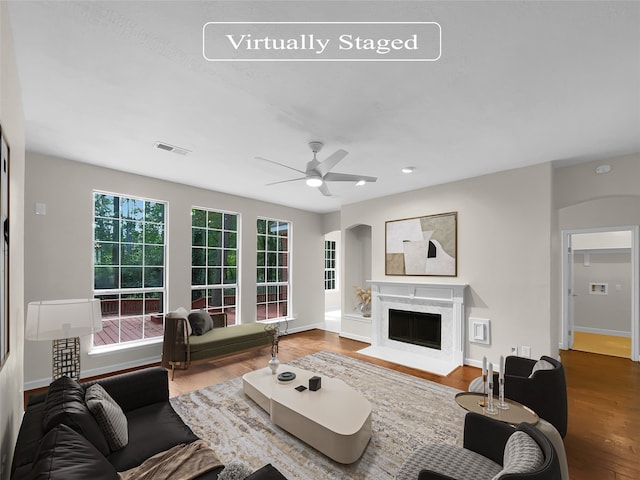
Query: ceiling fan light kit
x: 317, y: 174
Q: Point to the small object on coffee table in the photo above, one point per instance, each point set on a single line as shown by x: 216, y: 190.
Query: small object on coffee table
x: 301, y: 388
x: 286, y: 376
x: 315, y: 383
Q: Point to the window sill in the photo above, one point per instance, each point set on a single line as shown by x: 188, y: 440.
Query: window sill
x: 119, y: 347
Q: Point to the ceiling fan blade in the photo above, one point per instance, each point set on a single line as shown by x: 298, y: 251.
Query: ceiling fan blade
x: 285, y: 181
x: 281, y: 164
x: 347, y: 177
x: 331, y: 161
x: 325, y: 190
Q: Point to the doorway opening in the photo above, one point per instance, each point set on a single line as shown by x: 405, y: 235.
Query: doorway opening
x: 600, y: 291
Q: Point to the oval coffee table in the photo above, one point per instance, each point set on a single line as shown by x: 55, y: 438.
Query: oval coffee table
x: 336, y: 420
x: 515, y: 414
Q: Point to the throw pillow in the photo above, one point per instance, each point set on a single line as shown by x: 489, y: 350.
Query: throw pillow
x: 541, y: 365
x: 521, y: 455
x: 109, y: 415
x: 64, y: 454
x: 200, y: 322
x: 65, y: 405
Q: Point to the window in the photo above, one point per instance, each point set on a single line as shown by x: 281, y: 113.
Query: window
x: 272, y: 268
x: 214, y: 262
x: 129, y: 267
x: 329, y: 265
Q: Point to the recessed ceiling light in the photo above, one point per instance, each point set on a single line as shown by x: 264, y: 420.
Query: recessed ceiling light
x: 359, y: 183
x: 408, y: 169
x: 603, y: 169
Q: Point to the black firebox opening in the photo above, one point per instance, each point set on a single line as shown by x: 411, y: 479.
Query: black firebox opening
x: 416, y: 327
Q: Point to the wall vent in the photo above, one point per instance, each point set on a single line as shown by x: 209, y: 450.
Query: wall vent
x: 172, y: 148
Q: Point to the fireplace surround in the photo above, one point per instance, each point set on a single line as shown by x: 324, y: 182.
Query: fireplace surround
x: 445, y: 300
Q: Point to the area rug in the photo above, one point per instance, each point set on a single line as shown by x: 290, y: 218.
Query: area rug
x: 407, y: 412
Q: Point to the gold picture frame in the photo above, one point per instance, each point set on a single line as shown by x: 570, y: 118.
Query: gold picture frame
x: 424, y: 246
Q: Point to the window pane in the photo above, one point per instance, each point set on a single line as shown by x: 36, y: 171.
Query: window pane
x: 214, y: 238
x: 153, y: 276
x: 154, y: 212
x: 154, y: 233
x: 153, y: 255
x: 215, y: 220
x: 131, y: 232
x: 261, y: 275
x: 230, y: 258
x: 198, y: 256
x: 132, y: 304
x: 261, y: 243
x: 198, y: 237
x: 229, y: 240
x: 198, y: 218
x: 215, y: 257
x: 132, y: 208
x: 230, y: 222
x: 198, y: 276
x: 198, y: 299
x: 131, y: 277
x: 105, y: 277
x: 272, y: 243
x: 230, y: 275
x: 260, y: 259
x: 106, y: 230
x: 106, y: 254
x: 214, y: 276
x: 106, y: 205
x: 261, y: 226
x: 131, y: 254
x: 215, y: 297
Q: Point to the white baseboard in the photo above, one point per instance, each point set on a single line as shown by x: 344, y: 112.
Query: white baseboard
x: 359, y: 338
x: 141, y: 362
x: 601, y: 331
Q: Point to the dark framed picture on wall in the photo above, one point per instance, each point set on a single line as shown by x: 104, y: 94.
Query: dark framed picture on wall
x: 4, y: 262
x: 422, y: 245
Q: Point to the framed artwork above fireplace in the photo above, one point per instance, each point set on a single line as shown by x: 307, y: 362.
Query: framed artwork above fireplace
x: 422, y: 245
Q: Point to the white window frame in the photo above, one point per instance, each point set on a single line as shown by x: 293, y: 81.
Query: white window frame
x: 270, y: 285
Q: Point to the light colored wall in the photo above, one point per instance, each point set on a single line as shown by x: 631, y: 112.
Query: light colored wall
x: 59, y: 250
x: 609, y: 313
x: 12, y: 120
x: 504, y: 250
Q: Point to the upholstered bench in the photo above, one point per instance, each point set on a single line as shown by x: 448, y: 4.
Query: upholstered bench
x: 191, y: 337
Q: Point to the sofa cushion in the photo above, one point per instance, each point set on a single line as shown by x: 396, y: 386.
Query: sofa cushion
x: 521, y: 455
x: 66, y: 455
x: 200, y: 321
x: 65, y: 405
x: 109, y: 415
x: 152, y: 429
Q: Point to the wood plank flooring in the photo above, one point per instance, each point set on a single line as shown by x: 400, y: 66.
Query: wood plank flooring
x: 602, y: 344
x: 603, y: 439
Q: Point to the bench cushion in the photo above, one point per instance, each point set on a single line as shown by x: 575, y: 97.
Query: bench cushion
x: 227, y: 340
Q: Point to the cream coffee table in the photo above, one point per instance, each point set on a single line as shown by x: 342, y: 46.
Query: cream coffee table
x: 336, y: 420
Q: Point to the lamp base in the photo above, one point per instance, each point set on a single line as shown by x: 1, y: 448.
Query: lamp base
x: 66, y: 358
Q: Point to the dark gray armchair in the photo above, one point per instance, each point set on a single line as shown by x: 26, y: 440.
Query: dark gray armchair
x: 491, y: 449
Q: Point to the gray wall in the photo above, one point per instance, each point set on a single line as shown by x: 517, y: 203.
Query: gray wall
x: 504, y: 253
x: 59, y: 251
x: 608, y: 314
x: 12, y: 120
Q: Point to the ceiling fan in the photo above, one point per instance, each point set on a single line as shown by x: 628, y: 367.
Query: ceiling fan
x: 318, y: 173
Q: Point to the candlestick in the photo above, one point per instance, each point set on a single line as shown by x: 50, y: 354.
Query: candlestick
x: 502, y: 405
x: 490, y: 408
x: 501, y: 371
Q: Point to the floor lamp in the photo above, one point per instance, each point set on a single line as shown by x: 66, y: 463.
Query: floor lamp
x: 64, y: 321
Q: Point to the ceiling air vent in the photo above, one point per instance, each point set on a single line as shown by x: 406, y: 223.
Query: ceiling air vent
x: 172, y: 148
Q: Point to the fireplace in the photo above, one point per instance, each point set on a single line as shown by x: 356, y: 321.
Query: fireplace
x: 432, y: 312
x: 417, y: 328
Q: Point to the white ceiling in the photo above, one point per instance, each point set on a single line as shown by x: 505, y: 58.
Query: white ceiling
x: 518, y: 83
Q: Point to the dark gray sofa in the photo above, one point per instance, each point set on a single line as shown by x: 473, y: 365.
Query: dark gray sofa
x: 73, y: 449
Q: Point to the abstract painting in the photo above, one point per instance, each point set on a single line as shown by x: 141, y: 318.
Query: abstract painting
x: 422, y: 245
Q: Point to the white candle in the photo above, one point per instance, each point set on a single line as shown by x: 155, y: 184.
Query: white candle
x: 501, y: 367
x: 484, y: 366
x: 490, y: 373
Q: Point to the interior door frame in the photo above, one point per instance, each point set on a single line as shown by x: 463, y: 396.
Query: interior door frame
x: 566, y: 337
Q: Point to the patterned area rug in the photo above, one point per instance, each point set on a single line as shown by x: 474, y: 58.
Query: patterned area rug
x: 407, y: 413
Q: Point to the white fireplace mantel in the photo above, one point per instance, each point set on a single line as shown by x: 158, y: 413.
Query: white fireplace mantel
x: 446, y: 299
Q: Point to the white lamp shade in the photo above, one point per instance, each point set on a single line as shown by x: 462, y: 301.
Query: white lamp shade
x: 56, y: 319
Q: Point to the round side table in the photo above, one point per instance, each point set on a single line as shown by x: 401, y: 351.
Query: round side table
x: 515, y: 414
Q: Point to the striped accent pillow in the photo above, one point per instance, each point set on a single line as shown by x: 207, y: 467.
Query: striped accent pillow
x: 109, y: 416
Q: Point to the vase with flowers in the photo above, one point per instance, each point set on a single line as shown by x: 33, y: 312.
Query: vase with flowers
x: 273, y: 330
x: 364, y: 297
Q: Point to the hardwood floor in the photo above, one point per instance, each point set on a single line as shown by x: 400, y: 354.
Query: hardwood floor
x: 603, y: 438
x: 603, y: 344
